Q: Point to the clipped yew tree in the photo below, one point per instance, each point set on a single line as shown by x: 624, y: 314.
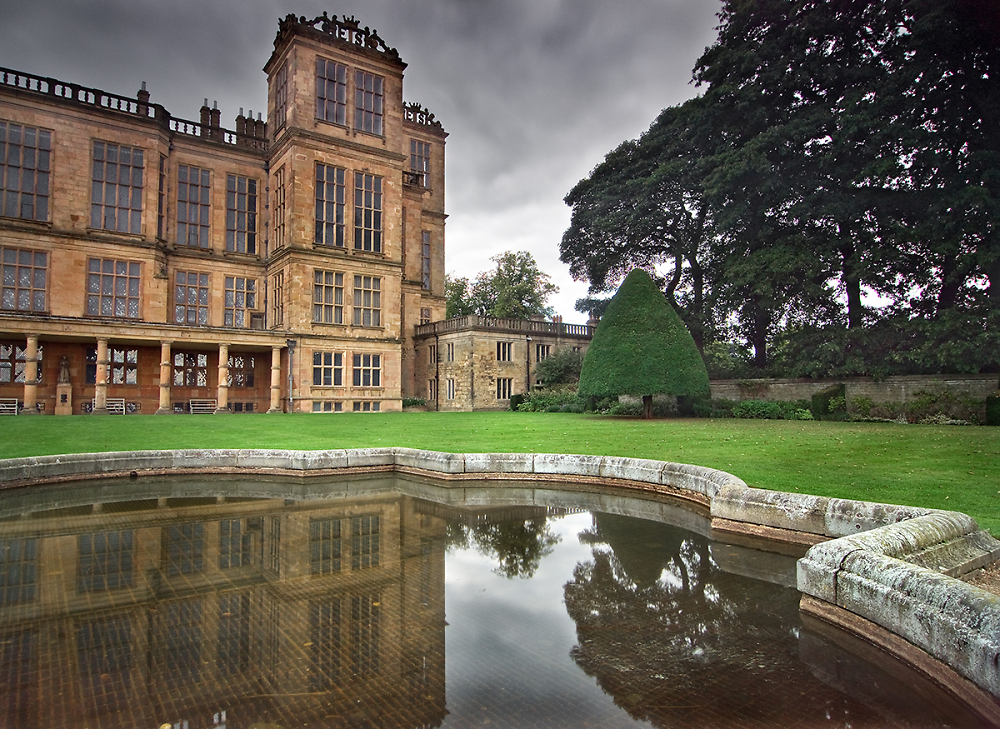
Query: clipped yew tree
x: 642, y: 348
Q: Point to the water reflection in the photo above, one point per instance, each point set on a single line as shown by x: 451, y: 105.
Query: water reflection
x: 305, y: 602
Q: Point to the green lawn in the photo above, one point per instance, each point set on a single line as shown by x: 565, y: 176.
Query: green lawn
x: 949, y: 467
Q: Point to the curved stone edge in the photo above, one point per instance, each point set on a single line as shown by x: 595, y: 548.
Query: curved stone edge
x: 877, y: 564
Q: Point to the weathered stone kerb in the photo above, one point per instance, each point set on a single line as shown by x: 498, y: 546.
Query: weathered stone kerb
x: 892, y: 565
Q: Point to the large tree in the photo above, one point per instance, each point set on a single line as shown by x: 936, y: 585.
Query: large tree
x: 642, y: 348
x: 515, y: 289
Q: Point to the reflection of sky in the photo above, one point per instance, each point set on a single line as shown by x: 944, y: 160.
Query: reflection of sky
x: 508, y: 643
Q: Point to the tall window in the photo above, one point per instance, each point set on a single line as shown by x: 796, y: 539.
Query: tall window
x: 420, y: 161
x: 191, y: 298
x: 504, y: 385
x: 504, y: 351
x: 13, y: 359
x: 324, y: 546
x: 233, y: 656
x: 367, y: 301
x: 432, y: 354
x: 192, y: 206
x: 22, y: 279
x: 330, y: 192
x: 241, y: 370
x: 241, y: 298
x: 235, y: 542
x: 24, y: 171
x: 331, y: 91
x: 113, y: 288
x: 450, y: 389
x: 281, y: 96
x: 328, y: 368
x: 278, y: 219
x: 432, y: 390
x: 190, y: 369
x: 425, y: 316
x: 325, y: 650
x: 542, y: 351
x: 367, y: 212
x: 161, y: 199
x: 241, y: 214
x: 184, y: 550
x: 364, y: 542
x: 105, y: 561
x: 425, y: 260
x: 450, y: 352
x: 18, y: 571
x: 367, y: 370
x: 368, y: 102
x: 116, y: 189
x: 328, y: 297
x: 278, y: 299
x: 365, y: 634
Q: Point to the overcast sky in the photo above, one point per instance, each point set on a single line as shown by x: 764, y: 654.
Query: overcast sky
x: 533, y: 93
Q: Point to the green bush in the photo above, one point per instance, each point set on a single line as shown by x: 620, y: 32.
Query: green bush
x: 758, y: 410
x: 546, y: 401
x: 993, y: 410
x: 630, y: 408
x: 934, y: 407
x: 862, y: 407
x: 516, y: 401
x: 820, y: 404
x: 409, y: 402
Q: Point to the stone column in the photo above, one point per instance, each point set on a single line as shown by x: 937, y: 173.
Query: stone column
x: 275, y: 380
x: 222, y: 391
x: 31, y: 376
x: 166, y: 368
x: 101, y: 386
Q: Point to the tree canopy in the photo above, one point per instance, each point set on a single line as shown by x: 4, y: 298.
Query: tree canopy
x: 837, y: 183
x: 515, y: 289
x: 642, y: 348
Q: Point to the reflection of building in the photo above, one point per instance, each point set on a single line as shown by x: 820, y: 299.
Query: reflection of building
x: 134, y: 614
x: 477, y: 363
x: 172, y: 262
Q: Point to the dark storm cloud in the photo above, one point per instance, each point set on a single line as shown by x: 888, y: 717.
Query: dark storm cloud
x: 532, y: 92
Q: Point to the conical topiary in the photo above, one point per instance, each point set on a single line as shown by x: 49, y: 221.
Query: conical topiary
x: 642, y: 348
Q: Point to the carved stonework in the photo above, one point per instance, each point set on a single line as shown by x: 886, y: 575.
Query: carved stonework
x: 417, y: 114
x: 346, y: 29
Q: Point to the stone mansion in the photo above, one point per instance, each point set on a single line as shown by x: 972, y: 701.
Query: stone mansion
x: 159, y: 265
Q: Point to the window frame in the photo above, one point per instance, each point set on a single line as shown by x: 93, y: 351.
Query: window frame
x: 366, y: 370
x: 328, y: 368
x: 241, y: 214
x: 328, y: 297
x: 369, y: 102
x: 505, y: 351
x: 366, y: 304
x: 368, y: 212
x: 35, y: 172
x: 505, y: 387
x: 105, y: 214
x: 112, y: 283
x: 19, y: 278
x: 204, y: 297
x: 325, y: 104
x: 201, y: 227
x: 239, y: 303
x: 330, y: 233
x: 420, y: 161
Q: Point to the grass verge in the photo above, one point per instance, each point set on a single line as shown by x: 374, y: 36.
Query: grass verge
x: 945, y: 467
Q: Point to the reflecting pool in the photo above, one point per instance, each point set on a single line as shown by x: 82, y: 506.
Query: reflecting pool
x: 390, y: 601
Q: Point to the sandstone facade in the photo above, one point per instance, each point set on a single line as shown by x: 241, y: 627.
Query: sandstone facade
x: 154, y: 264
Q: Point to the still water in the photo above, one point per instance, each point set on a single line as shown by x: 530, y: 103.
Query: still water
x: 400, y: 602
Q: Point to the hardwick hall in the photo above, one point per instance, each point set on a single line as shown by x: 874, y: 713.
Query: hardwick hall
x: 152, y: 264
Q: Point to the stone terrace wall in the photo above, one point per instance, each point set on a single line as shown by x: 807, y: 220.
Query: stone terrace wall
x: 893, y: 389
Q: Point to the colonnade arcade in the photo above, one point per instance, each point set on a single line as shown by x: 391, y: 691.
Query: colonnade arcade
x: 104, y: 374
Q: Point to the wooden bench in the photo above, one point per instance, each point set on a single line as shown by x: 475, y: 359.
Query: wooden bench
x: 202, y: 406
x: 114, y: 405
x: 8, y: 406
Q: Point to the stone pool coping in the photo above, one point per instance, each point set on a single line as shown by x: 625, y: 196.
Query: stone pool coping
x: 895, y: 566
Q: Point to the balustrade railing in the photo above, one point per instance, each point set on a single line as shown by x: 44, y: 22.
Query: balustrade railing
x: 123, y: 105
x: 509, y: 325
